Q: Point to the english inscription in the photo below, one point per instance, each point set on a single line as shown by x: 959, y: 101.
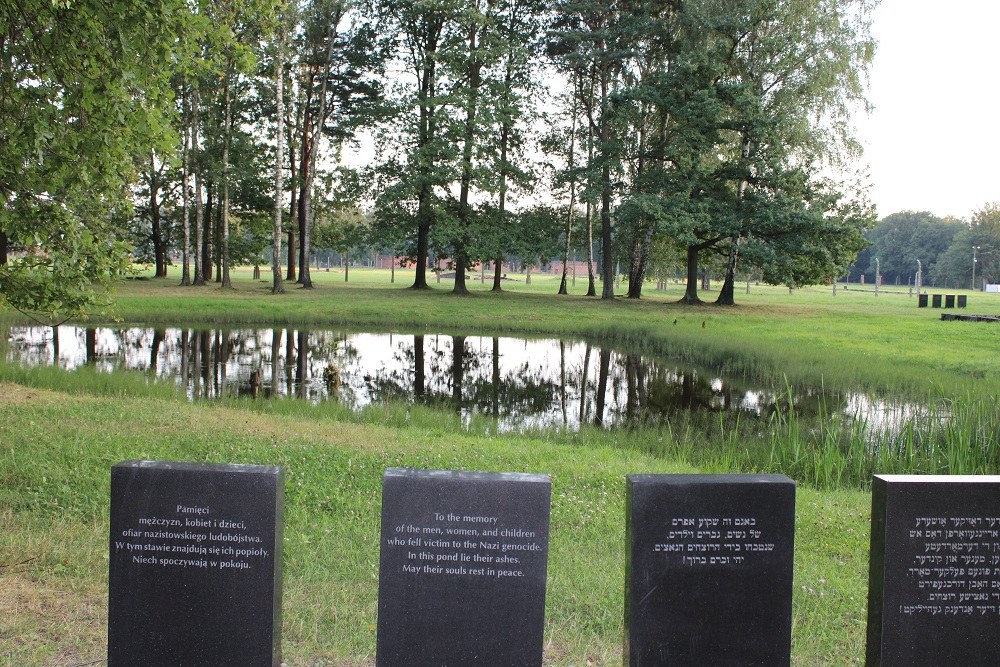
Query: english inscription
x: 462, y: 569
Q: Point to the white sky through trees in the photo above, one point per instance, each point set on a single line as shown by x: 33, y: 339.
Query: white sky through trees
x: 932, y: 142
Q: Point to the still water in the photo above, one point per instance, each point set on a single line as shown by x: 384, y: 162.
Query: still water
x: 521, y: 382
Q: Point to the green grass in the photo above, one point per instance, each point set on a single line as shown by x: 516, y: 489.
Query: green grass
x: 853, y: 339
x: 60, y: 433
x: 56, y: 450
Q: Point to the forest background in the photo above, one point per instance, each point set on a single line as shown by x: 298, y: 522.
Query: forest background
x: 646, y: 137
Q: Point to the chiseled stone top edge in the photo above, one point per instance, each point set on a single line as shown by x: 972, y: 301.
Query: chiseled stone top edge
x: 467, y: 475
x: 934, y: 479
x: 693, y: 478
x: 192, y: 466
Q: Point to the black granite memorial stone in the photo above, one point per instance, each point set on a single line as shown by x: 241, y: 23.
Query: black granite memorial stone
x: 195, y: 565
x: 462, y: 569
x: 935, y: 300
x: 963, y: 300
x: 921, y: 301
x: 949, y: 300
x: 709, y: 577
x: 934, y: 578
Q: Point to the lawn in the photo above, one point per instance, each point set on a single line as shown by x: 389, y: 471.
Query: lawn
x: 59, y: 435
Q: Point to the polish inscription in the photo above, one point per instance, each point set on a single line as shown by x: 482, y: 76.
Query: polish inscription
x: 954, y: 566
x: 195, y: 560
x: 192, y: 537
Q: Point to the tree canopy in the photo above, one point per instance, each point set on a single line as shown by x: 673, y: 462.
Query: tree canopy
x: 84, y: 94
x: 703, y: 130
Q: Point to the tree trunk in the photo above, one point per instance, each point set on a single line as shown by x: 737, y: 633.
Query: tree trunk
x: 423, y: 239
x: 426, y: 71
x: 277, y: 284
x: 4, y: 248
x: 159, y: 246
x: 185, y: 213
x: 727, y: 297
x: 638, y: 273
x: 465, y: 210
x: 206, y: 239
x: 591, y: 286
x: 217, y: 234
x: 305, y: 171
x: 691, y: 291
x: 199, y: 210
x: 497, y: 272
x: 505, y: 128
x: 301, y: 222
x: 607, y: 263
x: 460, y: 287
x: 292, y: 226
x: 314, y: 140
x: 570, y: 165
x: 563, y: 284
x: 224, y: 249
x: 305, y: 279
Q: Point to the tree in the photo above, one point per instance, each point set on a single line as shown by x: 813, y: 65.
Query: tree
x: 595, y: 38
x: 84, y: 94
x: 821, y: 234
x: 469, y: 68
x: 518, y: 25
x: 796, y: 69
x: 538, y: 235
x: 954, y: 267
x: 733, y: 106
x: 277, y: 284
x: 901, y: 239
x: 185, y: 189
x: 340, y: 225
x: 152, y: 230
x: 416, y: 173
x: 339, y: 58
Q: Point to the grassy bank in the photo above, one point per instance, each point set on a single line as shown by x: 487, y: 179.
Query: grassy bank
x: 56, y: 450
x: 945, y: 373
x: 60, y: 433
x: 854, y: 339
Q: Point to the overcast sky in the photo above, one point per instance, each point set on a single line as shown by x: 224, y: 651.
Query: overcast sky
x: 933, y: 142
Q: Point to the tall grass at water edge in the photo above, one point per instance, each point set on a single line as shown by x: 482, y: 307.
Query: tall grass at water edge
x: 833, y: 450
x: 944, y: 436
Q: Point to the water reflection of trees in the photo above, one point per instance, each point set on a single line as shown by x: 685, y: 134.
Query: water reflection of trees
x: 520, y: 383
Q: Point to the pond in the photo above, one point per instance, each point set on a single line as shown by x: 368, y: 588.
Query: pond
x: 523, y: 383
